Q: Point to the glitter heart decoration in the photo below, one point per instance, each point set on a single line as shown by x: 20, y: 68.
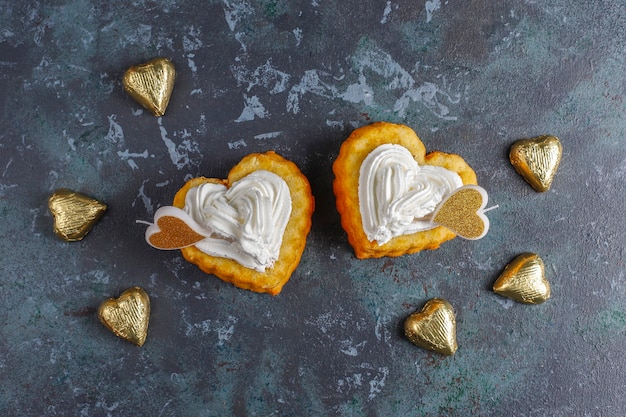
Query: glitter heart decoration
x: 151, y: 84
x: 173, y: 228
x: 537, y: 160
x: 433, y: 328
x: 128, y: 315
x: 463, y: 212
x: 75, y: 214
x: 523, y: 280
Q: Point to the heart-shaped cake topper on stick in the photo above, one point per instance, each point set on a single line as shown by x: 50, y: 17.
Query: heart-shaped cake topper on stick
x: 128, y: 315
x: 173, y: 228
x: 537, y: 160
x: 75, y: 214
x: 524, y: 280
x: 151, y: 84
x: 463, y: 212
x: 433, y: 328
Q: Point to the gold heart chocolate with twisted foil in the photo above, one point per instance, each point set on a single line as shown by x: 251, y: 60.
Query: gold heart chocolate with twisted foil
x: 151, y: 84
x: 74, y: 213
x: 537, y: 160
x: 128, y: 315
x: 433, y: 328
x: 523, y: 280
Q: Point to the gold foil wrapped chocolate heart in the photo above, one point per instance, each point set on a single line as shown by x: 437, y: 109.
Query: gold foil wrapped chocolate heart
x: 151, y: 84
x: 433, y: 328
x: 537, y: 160
x: 74, y: 213
x: 524, y: 280
x: 128, y: 315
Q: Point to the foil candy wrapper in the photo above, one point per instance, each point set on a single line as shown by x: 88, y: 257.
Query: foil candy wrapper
x: 128, y: 315
x: 433, y: 328
x: 537, y: 160
x: 151, y: 84
x: 75, y: 214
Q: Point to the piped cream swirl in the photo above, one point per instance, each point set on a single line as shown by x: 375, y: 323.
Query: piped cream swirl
x: 397, y: 196
x: 246, y: 222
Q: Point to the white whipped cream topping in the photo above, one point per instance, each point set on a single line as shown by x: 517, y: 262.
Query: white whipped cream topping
x: 397, y: 196
x: 245, y: 222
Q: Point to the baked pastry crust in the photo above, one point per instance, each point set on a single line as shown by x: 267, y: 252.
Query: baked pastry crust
x: 294, y: 239
x: 346, y: 168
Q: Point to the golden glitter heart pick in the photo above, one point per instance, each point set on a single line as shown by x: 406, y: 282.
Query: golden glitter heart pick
x: 128, y: 315
x: 537, y: 160
x: 74, y: 213
x: 151, y: 84
x: 433, y: 328
x: 524, y: 280
x: 463, y: 212
x: 173, y: 228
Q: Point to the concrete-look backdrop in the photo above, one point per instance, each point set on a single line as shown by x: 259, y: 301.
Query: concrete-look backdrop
x: 296, y: 77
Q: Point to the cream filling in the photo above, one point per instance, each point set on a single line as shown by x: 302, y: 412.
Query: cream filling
x: 397, y: 196
x: 245, y: 222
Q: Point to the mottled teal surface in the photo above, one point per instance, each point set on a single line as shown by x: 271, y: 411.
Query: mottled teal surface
x: 296, y: 77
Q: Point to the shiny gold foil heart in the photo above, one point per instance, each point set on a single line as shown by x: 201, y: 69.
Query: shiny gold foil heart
x: 537, y: 160
x: 74, y: 213
x: 433, y: 328
x: 151, y: 84
x: 128, y: 315
x: 524, y: 280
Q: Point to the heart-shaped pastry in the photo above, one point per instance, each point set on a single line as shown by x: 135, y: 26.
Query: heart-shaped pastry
x: 524, y: 280
x: 433, y: 328
x: 75, y: 214
x: 537, y: 160
x: 249, y: 229
x: 387, y: 188
x: 463, y: 212
x: 128, y: 315
x: 151, y: 84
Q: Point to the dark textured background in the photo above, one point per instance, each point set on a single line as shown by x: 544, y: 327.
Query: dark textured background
x: 470, y: 77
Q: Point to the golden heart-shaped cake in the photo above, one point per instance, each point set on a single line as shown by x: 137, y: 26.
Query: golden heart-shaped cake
x: 151, y: 84
x: 537, y: 160
x: 75, y: 214
x: 249, y: 229
x: 387, y: 188
x: 433, y: 328
x: 524, y: 280
x: 128, y: 315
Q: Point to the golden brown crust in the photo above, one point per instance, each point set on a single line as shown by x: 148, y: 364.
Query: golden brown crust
x: 294, y: 240
x: 346, y: 168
